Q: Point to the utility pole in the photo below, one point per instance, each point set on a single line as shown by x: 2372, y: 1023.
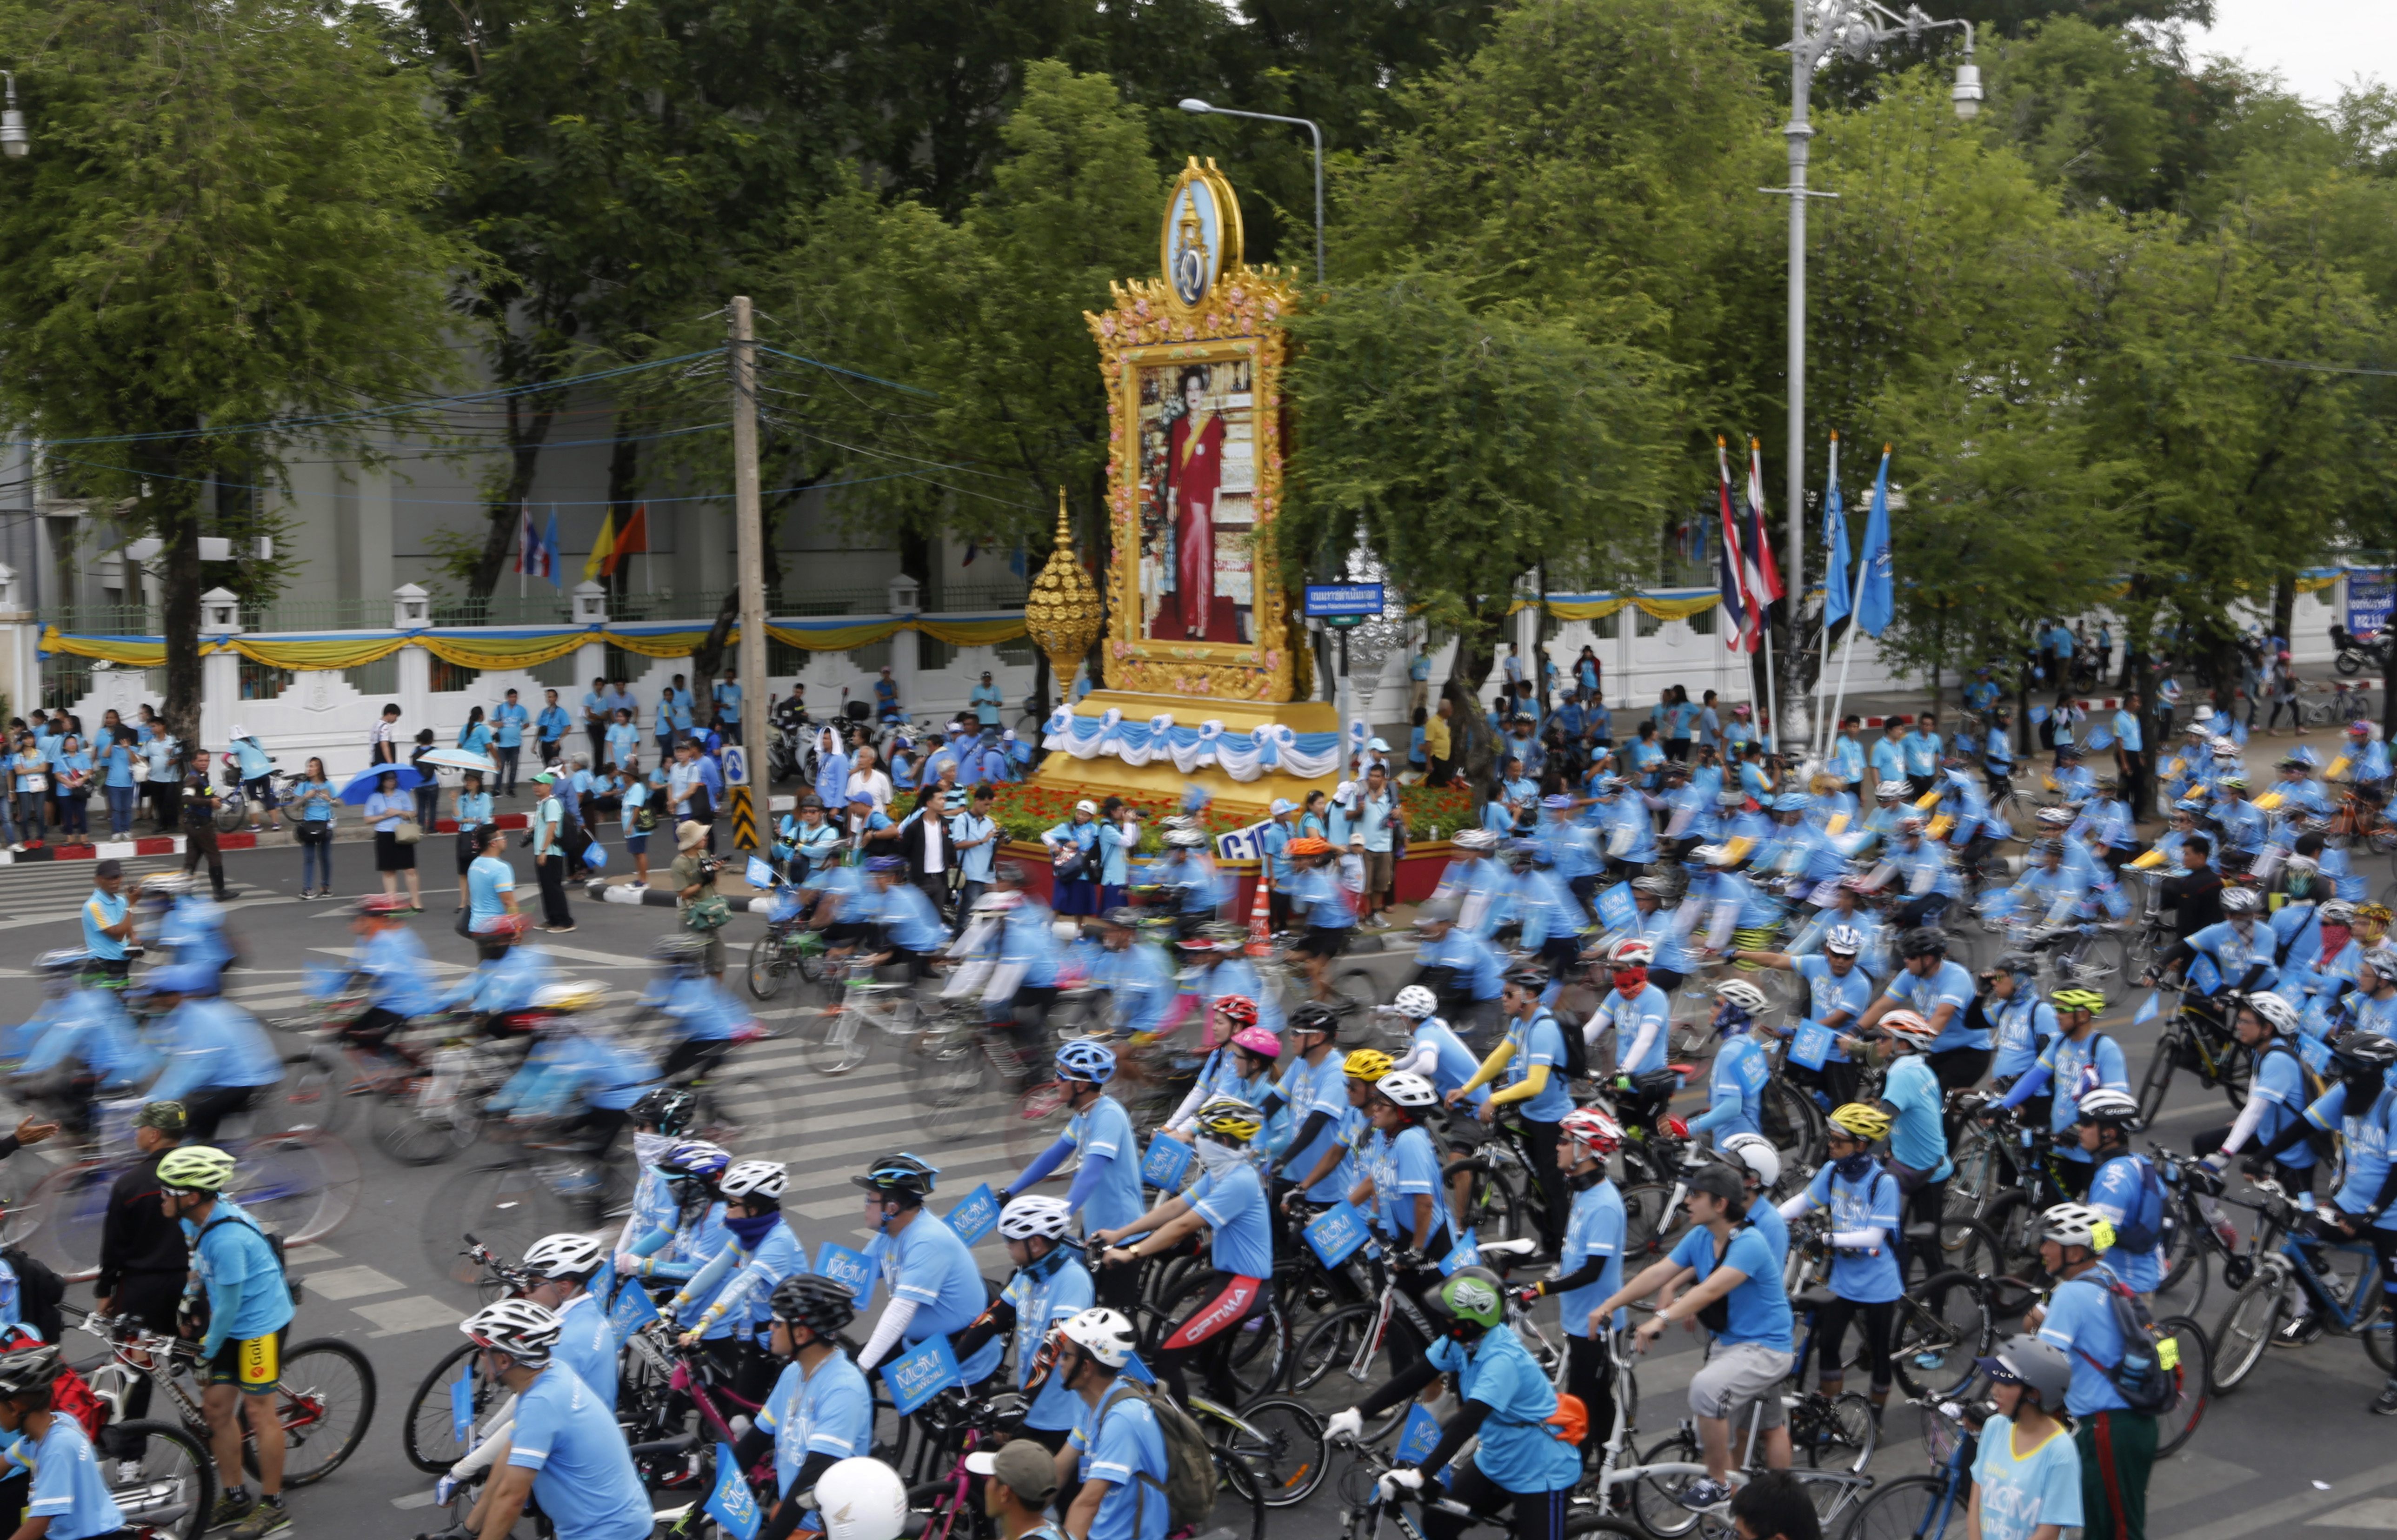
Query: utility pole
x: 748, y: 520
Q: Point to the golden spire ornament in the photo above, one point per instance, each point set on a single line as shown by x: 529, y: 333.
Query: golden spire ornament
x: 1062, y: 612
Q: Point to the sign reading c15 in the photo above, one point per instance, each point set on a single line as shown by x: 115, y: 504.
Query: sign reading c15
x: 1343, y: 605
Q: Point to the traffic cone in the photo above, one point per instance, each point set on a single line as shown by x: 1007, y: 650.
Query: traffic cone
x: 1260, y: 911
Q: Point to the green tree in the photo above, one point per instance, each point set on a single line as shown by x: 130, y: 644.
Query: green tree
x: 1465, y: 446
x: 218, y: 249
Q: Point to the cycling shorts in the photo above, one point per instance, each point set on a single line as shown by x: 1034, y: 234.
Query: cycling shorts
x: 1234, y: 1299
x: 253, y: 1363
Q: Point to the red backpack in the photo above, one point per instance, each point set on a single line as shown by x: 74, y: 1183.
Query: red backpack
x: 68, y: 1394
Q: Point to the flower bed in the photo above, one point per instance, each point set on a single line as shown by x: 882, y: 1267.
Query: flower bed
x: 1026, y: 812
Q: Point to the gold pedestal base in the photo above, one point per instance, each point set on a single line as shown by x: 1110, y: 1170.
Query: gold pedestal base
x: 1104, y: 775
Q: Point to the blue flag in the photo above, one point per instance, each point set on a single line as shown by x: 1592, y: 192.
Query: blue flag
x: 976, y: 1215
x: 731, y: 1503
x: 1419, y: 1437
x: 632, y: 1310
x: 1835, y: 541
x: 1168, y: 1160
x: 919, y: 1374
x: 461, y: 1406
x: 2148, y: 1011
x: 851, y: 1269
x: 1877, y: 603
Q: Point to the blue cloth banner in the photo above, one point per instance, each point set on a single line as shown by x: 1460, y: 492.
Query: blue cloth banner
x: 632, y: 1310
x: 1138, y: 1372
x: 2148, y: 1008
x: 1167, y: 1162
x: 1461, y: 1255
x: 1615, y: 910
x: 2099, y: 740
x: 462, y: 1404
x: 1418, y: 1438
x: 732, y: 1505
x: 849, y: 1268
x: 2316, y: 1053
x: 1835, y: 541
x: 1336, y: 1233
x: 1878, y: 602
x: 760, y: 876
x: 916, y: 1376
x: 1812, y: 1043
x: 977, y: 1216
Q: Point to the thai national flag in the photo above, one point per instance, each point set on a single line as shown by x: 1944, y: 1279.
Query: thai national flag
x: 1763, y: 575
x: 1734, y: 595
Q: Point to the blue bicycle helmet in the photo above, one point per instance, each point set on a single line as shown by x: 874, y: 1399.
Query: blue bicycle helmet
x: 1086, y: 1061
x: 695, y: 1159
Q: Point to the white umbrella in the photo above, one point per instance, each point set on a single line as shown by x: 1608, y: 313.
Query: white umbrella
x: 461, y: 759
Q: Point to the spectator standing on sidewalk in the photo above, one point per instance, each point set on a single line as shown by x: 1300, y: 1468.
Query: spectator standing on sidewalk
x: 507, y: 737
x: 552, y: 724
x: 116, y: 767
x: 313, y: 801
x: 549, y: 854
x: 598, y: 711
x: 387, y: 808
x: 160, y: 751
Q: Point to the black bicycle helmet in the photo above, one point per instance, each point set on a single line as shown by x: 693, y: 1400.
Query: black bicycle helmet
x: 1314, y: 1016
x: 1923, y: 941
x: 902, y: 1172
x: 816, y: 1302
x: 669, y: 1110
x: 29, y: 1370
x: 2364, y: 1060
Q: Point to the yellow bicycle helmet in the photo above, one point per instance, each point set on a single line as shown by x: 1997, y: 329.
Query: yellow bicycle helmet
x: 1367, y: 1063
x: 195, y: 1168
x: 2079, y: 999
x: 1861, y: 1120
x: 1230, y: 1118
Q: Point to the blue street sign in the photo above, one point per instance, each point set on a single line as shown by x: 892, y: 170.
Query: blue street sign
x: 1326, y: 599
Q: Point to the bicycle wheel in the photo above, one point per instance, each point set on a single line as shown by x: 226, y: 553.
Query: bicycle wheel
x: 2248, y: 1328
x: 738, y: 1110
x: 68, y: 1206
x: 507, y: 1207
x: 1357, y: 987
x: 945, y: 1073
x: 1965, y: 1246
x: 1849, y: 1435
x: 1942, y: 1326
x: 1587, y: 1521
x: 2174, y: 1427
x: 160, y: 1477
x: 1283, y: 1448
x: 2183, y: 1244
x: 767, y: 968
x: 312, y: 1094
x: 1493, y: 1209
x: 2105, y: 961
x: 429, y: 1437
x: 1239, y: 1508
x: 304, y: 1185
x: 1033, y: 1121
x: 1973, y: 1187
x: 1655, y: 1500
x: 325, y: 1400
x: 837, y: 1041
x: 1325, y: 1356
x: 2158, y: 1079
x: 1649, y: 1229
x: 404, y: 1125
x: 2014, y: 1222
x: 1913, y: 1507
x: 1794, y: 1124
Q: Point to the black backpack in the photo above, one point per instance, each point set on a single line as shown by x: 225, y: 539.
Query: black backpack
x: 39, y: 1290
x: 1575, y: 1063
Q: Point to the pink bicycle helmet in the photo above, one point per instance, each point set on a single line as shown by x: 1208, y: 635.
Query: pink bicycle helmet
x: 1257, y: 1041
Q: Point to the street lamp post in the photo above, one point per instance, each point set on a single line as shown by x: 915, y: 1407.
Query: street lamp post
x: 1855, y: 28
x: 14, y: 140
x: 1192, y: 104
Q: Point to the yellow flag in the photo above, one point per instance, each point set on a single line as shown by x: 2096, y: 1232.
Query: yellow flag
x: 2151, y: 858
x: 596, y: 562
x: 2337, y: 768
x: 2270, y: 800
x: 1838, y: 826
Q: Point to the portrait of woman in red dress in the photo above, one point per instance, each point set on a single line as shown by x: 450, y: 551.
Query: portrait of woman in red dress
x: 1194, y: 473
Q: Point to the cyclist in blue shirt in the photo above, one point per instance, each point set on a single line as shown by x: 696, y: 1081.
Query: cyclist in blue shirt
x: 1864, y: 1203
x: 1229, y: 1199
x: 738, y: 1281
x: 2026, y: 1476
x: 249, y: 1306
x: 1591, y: 1267
x: 2117, y: 1445
x: 563, y: 1267
x: 2277, y: 1096
x: 1640, y: 1014
x: 1117, y: 1451
x: 936, y: 1290
x: 1838, y: 991
x: 2125, y: 1187
x: 218, y: 1060
x: 1917, y: 1140
x: 821, y: 1411
x: 257, y: 771
x: 694, y: 1231
x: 1106, y: 1189
x: 68, y: 1498
x: 1050, y: 1285
x: 2360, y: 1108
x: 1529, y: 1066
x: 565, y: 1449
x: 1937, y: 990
x: 1462, y: 970
x: 1736, y: 1079
x: 1315, y: 1087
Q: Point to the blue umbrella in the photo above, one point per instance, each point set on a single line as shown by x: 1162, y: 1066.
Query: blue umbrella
x: 368, y: 781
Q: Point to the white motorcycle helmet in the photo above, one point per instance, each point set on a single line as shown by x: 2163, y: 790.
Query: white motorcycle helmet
x: 861, y: 1499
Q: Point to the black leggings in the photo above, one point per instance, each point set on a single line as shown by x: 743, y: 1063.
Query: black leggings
x: 696, y: 1056
x: 1540, y: 1150
x: 1538, y: 1515
x: 1589, y: 1374
x: 212, y: 1107
x: 1959, y: 1068
x: 1875, y: 1321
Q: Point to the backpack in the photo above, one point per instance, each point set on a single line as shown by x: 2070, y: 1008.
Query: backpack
x: 39, y: 1290
x: 273, y: 1243
x: 706, y: 913
x: 2147, y: 1377
x: 70, y: 1392
x: 1575, y: 1063
x: 1189, y: 1484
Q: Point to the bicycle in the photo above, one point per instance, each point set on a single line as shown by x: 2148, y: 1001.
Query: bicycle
x: 1366, y: 1506
x: 2198, y: 1040
x: 325, y: 1398
x: 2345, y: 1291
x: 1349, y: 1338
x: 788, y: 947
x: 534, y: 1189
x: 1925, y: 1507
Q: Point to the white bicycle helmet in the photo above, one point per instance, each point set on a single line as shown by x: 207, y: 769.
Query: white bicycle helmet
x: 2076, y: 1224
x: 1756, y: 1152
x: 1404, y: 1088
x: 1843, y: 941
x: 1908, y: 1026
x: 2274, y: 1012
x: 861, y: 1499
x: 1103, y: 1333
x: 754, y: 1179
x: 2105, y: 1105
x: 1034, y: 1215
x: 522, y: 1329
x: 1631, y: 952
x: 2240, y: 901
x: 1745, y: 996
x: 1415, y: 1001
x: 565, y: 1254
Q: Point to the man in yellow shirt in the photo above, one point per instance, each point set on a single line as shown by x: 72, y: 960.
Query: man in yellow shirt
x: 1436, y: 748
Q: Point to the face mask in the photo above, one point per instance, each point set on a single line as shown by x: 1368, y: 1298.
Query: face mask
x: 651, y: 1148
x: 1220, y: 1159
x: 1853, y: 1167
x: 2334, y: 938
x: 753, y: 1229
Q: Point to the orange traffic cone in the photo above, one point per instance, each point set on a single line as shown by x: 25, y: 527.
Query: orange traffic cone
x: 1260, y: 911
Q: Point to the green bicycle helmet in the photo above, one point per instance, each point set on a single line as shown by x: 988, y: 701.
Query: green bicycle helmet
x: 195, y: 1168
x: 1470, y: 1297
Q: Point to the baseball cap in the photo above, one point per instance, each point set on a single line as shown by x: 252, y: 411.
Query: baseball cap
x: 1283, y: 804
x: 1028, y: 1469
x: 165, y: 1116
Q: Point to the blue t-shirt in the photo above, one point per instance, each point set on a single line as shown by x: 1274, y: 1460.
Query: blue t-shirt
x: 1234, y: 1206
x: 1309, y: 1088
x: 2081, y: 1321
x: 930, y: 1263
x: 1651, y: 1013
x: 1518, y: 1452
x: 509, y: 721
x: 67, y: 1489
x: 830, y: 1411
x: 583, y: 1475
x: 103, y: 908
x: 1868, y: 1275
x: 1539, y: 1041
x: 586, y: 1343
x: 231, y: 1259
x: 1040, y: 1303
x: 1118, y: 1440
x: 1105, y: 1129
x: 1757, y: 1308
x: 2366, y: 1132
x: 1917, y: 1138
x: 2074, y: 1070
x: 1950, y: 984
x: 1594, y: 1228
x: 487, y: 879
x: 2127, y: 1190
x: 2019, y: 1495
x: 1403, y: 1170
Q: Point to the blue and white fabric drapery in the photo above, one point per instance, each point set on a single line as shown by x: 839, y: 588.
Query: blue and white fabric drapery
x: 1244, y: 755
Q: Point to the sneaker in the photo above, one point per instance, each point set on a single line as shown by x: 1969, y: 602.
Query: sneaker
x: 230, y: 1510
x: 269, y: 1517
x: 559, y: 930
x: 2298, y: 1332
x: 2385, y: 1404
x: 1703, y: 1492
x: 636, y: 887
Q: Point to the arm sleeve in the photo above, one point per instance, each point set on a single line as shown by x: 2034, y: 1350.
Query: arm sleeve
x: 1086, y: 1180
x: 2030, y: 1085
x: 1189, y: 1107
x: 1307, y: 1133
x: 1421, y: 1060
x: 1534, y: 1082
x: 2243, y: 1128
x: 1649, y: 1026
x: 1858, y: 1241
x: 1043, y: 1163
x: 997, y: 1321
x: 1399, y: 1387
x: 2298, y: 1131
x: 1580, y: 1277
x: 1791, y: 1208
x: 225, y: 1306
x: 1464, y: 1425
x: 886, y: 1330
x: 753, y: 1444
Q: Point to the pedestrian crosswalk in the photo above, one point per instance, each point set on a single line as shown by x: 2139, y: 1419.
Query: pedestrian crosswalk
x: 52, y: 889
